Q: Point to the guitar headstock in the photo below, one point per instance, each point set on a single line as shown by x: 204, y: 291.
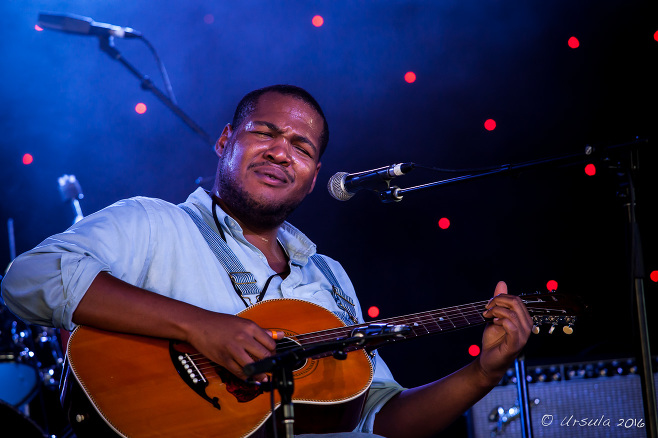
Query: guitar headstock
x: 553, y: 309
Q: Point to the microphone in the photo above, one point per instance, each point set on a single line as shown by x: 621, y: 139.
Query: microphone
x: 343, y: 186
x: 71, y: 23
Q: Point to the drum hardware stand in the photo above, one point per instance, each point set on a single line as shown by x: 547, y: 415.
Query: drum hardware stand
x: 282, y: 365
x: 626, y: 191
x: 12, y: 248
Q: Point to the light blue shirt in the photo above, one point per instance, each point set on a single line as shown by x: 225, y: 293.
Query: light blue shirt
x: 155, y: 245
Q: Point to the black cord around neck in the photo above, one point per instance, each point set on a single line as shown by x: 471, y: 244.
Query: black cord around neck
x: 215, y: 205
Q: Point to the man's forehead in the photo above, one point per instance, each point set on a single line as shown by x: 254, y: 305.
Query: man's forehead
x: 286, y: 108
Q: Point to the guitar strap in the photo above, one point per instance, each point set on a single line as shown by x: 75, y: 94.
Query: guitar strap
x: 344, y: 302
x: 244, y: 281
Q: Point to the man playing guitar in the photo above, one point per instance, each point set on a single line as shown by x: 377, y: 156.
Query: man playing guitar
x: 142, y: 267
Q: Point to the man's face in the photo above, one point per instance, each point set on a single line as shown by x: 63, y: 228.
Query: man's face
x: 269, y: 163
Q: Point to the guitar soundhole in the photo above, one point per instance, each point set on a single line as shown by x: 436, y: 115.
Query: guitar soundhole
x: 286, y: 344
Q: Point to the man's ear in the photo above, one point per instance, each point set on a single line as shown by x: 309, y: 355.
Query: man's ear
x: 221, y: 141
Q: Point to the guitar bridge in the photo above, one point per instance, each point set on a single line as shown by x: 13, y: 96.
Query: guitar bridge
x: 190, y: 373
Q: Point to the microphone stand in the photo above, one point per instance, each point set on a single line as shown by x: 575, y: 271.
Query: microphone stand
x: 627, y: 192
x: 627, y: 188
x: 522, y: 393
x: 282, y: 365
x: 107, y: 46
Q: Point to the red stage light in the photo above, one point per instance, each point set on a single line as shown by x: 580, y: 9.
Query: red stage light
x: 209, y: 18
x: 551, y: 285
x: 655, y: 36
x: 373, y: 311
x: 473, y: 350
x: 654, y: 276
x: 490, y: 124
x: 444, y: 223
x: 317, y: 21
x: 590, y: 169
x: 38, y: 28
x: 140, y: 108
x: 27, y: 159
x: 410, y: 77
x: 573, y: 42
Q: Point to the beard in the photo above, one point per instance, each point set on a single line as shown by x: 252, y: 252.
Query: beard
x: 258, y: 213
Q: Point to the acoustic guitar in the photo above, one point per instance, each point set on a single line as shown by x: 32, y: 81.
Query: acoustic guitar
x: 150, y: 387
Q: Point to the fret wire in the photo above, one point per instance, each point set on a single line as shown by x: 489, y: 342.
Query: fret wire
x: 423, y: 319
x: 420, y: 324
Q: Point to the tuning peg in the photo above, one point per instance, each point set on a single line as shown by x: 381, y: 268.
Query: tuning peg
x: 550, y: 330
x: 567, y: 329
x: 535, y: 329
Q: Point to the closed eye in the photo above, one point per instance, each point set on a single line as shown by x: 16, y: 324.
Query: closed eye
x: 303, y: 151
x: 263, y: 133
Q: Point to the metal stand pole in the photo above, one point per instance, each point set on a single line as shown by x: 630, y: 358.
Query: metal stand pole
x: 637, y: 272
x: 522, y: 393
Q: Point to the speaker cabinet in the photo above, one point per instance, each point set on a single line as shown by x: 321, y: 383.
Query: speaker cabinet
x: 594, y: 399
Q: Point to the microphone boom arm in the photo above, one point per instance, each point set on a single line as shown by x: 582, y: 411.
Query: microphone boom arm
x: 107, y: 46
x: 394, y: 194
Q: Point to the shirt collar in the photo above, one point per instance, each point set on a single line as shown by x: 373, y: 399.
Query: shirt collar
x: 297, y: 245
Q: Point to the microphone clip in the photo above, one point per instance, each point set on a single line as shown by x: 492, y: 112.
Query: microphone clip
x: 342, y: 186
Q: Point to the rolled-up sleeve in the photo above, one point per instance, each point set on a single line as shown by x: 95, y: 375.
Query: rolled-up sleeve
x: 44, y: 286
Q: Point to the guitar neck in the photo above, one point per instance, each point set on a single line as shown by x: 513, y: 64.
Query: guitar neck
x: 441, y: 320
x: 547, y: 308
x: 420, y: 324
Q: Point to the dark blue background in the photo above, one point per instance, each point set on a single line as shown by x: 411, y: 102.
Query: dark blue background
x: 71, y: 106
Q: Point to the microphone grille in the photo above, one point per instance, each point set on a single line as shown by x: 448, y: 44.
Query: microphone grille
x: 336, y: 187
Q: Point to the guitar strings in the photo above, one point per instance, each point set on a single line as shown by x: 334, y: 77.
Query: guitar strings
x: 425, y: 321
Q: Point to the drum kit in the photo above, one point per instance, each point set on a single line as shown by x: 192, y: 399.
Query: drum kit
x: 32, y: 362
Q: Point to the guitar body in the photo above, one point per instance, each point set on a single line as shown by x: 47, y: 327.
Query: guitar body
x: 140, y: 387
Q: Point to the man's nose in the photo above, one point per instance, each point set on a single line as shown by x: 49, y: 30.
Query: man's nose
x: 280, y: 152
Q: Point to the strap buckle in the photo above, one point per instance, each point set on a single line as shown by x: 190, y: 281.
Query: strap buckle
x: 247, y: 278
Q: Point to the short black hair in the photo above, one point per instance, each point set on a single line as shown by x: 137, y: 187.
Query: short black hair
x: 249, y: 102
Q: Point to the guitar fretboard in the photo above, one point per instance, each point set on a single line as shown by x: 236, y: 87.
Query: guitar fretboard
x: 421, y: 324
